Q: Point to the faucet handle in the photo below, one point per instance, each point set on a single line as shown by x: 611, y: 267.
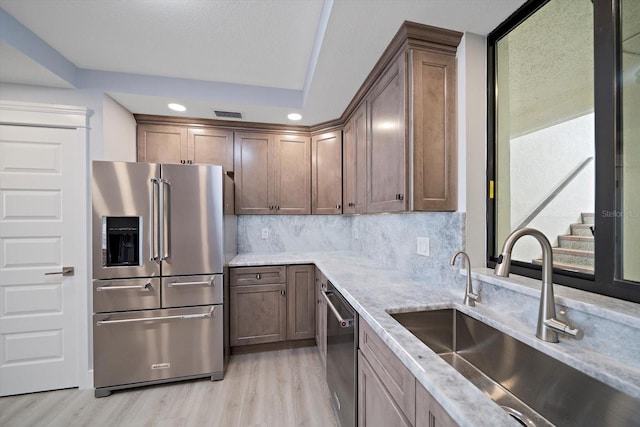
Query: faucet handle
x: 562, y: 325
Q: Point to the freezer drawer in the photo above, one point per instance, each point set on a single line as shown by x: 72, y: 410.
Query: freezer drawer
x: 126, y: 294
x: 154, y: 345
x: 191, y: 290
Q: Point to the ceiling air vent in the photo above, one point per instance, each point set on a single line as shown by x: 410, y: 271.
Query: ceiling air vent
x: 227, y: 114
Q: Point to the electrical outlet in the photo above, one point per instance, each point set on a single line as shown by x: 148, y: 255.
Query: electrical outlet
x: 422, y: 246
x: 265, y: 233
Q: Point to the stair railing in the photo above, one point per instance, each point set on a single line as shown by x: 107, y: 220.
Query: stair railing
x: 557, y: 190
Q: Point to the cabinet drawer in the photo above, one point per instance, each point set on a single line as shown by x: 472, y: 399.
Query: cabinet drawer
x: 258, y: 275
x: 125, y: 294
x: 397, y: 379
x: 191, y: 290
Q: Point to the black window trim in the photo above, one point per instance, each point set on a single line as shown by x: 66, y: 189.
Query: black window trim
x: 607, y: 101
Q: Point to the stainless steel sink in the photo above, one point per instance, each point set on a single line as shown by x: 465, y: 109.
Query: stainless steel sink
x: 535, y: 389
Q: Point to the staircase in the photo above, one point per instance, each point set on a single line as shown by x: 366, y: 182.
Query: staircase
x: 575, y: 251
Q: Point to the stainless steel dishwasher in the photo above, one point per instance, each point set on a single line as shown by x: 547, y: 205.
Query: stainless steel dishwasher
x: 342, y: 356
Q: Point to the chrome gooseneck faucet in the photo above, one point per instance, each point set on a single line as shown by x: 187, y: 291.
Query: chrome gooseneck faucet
x: 548, y: 325
x: 469, y: 297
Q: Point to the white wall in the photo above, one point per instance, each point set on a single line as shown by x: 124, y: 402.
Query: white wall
x: 472, y: 144
x: 119, y: 137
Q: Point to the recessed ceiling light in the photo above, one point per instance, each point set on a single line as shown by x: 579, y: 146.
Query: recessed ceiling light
x: 294, y: 116
x: 177, y: 107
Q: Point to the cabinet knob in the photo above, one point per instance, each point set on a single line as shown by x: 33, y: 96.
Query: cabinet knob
x: 258, y: 276
x: 277, y: 207
x: 399, y: 196
x: 283, y: 292
x: 337, y: 206
x: 351, y: 204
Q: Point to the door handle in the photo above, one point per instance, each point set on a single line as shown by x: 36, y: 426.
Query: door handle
x: 66, y: 271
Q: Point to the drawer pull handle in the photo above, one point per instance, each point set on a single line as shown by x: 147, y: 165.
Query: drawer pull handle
x: 178, y: 284
x: 145, y: 287
x: 208, y: 315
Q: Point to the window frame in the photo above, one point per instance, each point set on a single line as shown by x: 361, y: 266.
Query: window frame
x: 608, y: 125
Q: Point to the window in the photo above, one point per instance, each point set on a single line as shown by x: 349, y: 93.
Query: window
x: 564, y: 150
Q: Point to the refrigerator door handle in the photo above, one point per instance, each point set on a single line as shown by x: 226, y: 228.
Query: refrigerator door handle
x: 153, y: 231
x: 165, y: 220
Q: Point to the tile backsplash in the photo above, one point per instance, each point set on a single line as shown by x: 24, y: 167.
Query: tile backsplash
x: 389, y: 239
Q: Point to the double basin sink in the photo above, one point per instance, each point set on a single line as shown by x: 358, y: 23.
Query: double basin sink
x: 532, y: 387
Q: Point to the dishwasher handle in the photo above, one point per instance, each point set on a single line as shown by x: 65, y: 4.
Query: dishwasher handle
x: 344, y: 323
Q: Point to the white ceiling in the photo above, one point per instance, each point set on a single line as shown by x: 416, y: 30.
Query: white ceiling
x: 264, y: 58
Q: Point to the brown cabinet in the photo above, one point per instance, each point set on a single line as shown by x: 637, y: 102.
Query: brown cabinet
x: 321, y: 316
x: 434, y: 131
x: 326, y: 173
x: 387, y: 143
x: 354, y: 163
x: 429, y: 413
x: 271, y: 304
x: 376, y: 406
x: 398, y: 382
x: 257, y: 305
x: 388, y: 393
x: 301, y: 302
x: 159, y: 143
x: 410, y: 99
x: 272, y: 173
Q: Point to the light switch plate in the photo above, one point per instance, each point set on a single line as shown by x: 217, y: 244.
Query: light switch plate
x: 422, y: 246
x: 265, y: 233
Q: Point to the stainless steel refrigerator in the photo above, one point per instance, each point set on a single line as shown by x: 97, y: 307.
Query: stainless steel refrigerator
x: 161, y: 240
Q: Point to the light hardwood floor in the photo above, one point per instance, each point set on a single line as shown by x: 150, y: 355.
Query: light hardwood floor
x: 278, y: 388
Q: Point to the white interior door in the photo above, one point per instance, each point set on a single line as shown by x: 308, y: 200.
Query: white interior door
x: 39, y: 231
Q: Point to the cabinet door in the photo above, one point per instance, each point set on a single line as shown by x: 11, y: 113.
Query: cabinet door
x: 429, y: 413
x: 434, y: 131
x: 252, y: 161
x: 387, y: 143
x: 321, y: 317
x: 349, y: 167
x: 376, y: 407
x: 257, y: 314
x: 300, y: 302
x: 292, y: 174
x: 326, y: 179
x: 211, y: 146
x: 162, y: 143
x: 355, y: 162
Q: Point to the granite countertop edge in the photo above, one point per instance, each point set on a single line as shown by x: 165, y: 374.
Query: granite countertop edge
x: 464, y: 402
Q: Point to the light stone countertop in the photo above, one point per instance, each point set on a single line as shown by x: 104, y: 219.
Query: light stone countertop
x: 374, y: 292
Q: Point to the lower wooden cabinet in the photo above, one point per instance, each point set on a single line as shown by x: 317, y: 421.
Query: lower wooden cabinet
x: 376, y: 406
x: 258, y: 314
x: 300, y: 302
x: 388, y: 393
x: 429, y: 413
x: 271, y: 304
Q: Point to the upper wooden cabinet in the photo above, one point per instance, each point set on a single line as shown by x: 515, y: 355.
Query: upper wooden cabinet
x: 399, y: 151
x: 411, y: 142
x: 387, y: 143
x: 433, y: 136
x: 158, y: 143
x: 354, y: 162
x: 326, y: 173
x: 272, y: 173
